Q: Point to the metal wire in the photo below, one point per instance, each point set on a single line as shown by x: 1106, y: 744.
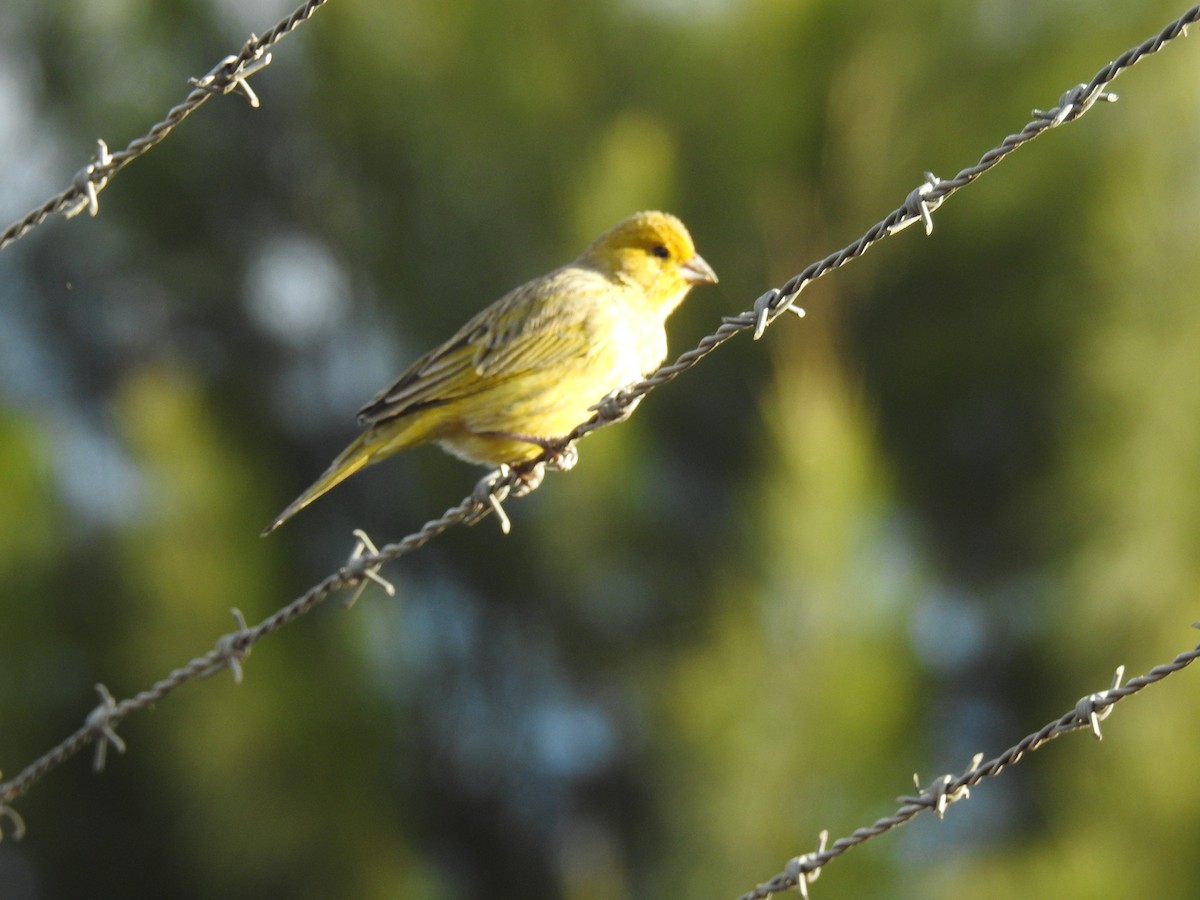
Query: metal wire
x: 948, y: 789
x: 227, y: 652
x: 227, y: 76
x: 364, y: 563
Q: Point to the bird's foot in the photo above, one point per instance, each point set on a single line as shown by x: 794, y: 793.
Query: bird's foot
x: 560, y: 454
x: 529, y: 481
x: 492, y: 490
x: 617, y: 406
x: 563, y: 457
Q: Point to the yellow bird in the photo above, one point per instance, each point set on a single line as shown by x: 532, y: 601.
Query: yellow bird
x: 520, y: 375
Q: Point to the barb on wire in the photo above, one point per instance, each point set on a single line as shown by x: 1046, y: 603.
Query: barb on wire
x: 231, y: 649
x: 225, y: 77
x: 103, y: 725
x: 14, y: 818
x: 943, y: 791
x: 490, y: 493
x: 364, y: 545
x: 230, y: 74
x: 804, y: 870
x: 89, y: 182
x: 100, y: 725
x: 949, y: 789
x: 517, y: 481
x: 769, y: 301
x: 920, y: 204
x: 1074, y: 103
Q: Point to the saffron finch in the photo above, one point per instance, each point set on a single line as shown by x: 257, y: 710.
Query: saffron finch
x: 518, y: 377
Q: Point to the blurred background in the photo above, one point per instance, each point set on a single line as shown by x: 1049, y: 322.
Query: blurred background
x: 915, y: 525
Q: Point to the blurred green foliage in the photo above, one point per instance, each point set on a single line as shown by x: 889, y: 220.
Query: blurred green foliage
x: 917, y: 524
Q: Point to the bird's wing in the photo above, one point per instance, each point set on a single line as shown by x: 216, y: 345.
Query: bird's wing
x: 535, y: 326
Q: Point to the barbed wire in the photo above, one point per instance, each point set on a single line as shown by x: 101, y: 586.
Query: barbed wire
x: 226, y: 77
x: 99, y: 729
x: 944, y: 790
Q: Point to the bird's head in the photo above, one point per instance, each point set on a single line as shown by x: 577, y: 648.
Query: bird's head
x: 653, y: 251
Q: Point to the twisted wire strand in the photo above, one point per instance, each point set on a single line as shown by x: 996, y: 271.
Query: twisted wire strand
x: 226, y: 653
x: 227, y: 76
x: 950, y: 789
x: 491, y: 491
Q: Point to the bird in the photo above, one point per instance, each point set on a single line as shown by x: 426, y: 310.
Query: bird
x: 512, y: 383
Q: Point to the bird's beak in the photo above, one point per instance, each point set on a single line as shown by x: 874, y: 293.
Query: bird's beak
x: 697, y: 271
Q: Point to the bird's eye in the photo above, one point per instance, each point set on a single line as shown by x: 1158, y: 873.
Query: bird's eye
x: 661, y: 252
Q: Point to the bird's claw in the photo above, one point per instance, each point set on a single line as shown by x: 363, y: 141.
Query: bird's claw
x: 564, y: 458
x: 529, y: 481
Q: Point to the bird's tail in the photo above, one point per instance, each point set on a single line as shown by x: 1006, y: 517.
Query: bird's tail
x: 364, y: 451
